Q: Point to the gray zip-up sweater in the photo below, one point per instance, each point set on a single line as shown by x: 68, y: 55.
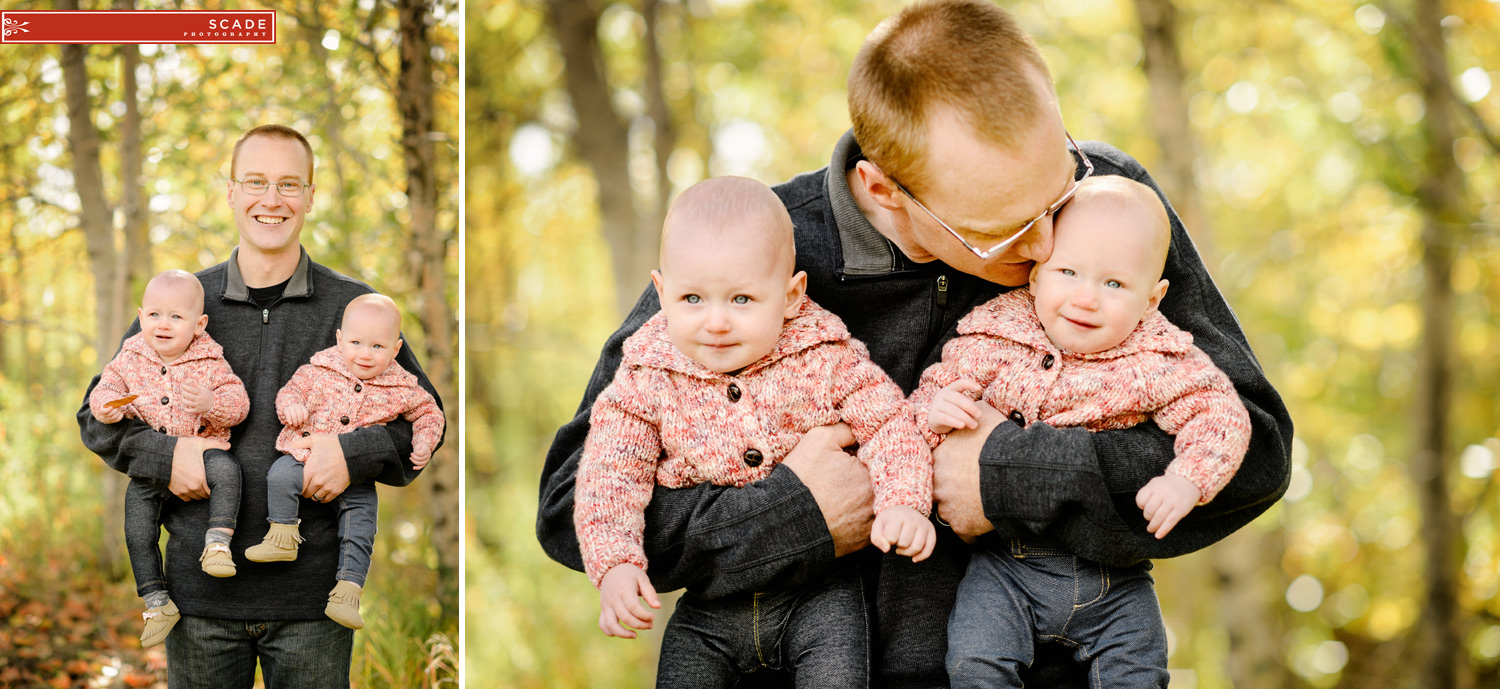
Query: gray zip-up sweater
x: 264, y: 347
x: 1067, y: 483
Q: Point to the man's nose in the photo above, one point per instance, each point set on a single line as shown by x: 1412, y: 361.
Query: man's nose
x: 1036, y: 244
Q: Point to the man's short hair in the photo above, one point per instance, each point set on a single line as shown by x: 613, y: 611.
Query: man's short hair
x: 968, y: 55
x: 278, y: 131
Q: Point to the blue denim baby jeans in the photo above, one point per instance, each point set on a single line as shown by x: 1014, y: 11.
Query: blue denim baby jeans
x: 1024, y: 593
x: 819, y: 633
x: 210, y: 653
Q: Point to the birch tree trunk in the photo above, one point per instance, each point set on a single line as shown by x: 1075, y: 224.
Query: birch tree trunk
x: 1165, y: 74
x: 1440, y: 198
x: 94, y: 219
x: 430, y: 248
x: 603, y: 140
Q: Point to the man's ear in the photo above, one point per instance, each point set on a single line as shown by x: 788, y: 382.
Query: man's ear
x: 1157, y: 292
x: 796, y: 288
x: 880, y: 187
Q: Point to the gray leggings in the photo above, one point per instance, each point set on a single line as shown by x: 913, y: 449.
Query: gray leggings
x: 358, y: 509
x: 146, y: 498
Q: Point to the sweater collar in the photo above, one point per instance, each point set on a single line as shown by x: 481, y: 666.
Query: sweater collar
x: 650, y: 347
x: 202, y: 347
x: 395, y: 376
x: 1012, y: 316
x: 298, y: 286
x: 866, y: 251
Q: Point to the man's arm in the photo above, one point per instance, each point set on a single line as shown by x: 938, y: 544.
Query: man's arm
x: 717, y: 540
x: 130, y: 446
x: 1080, y: 486
x: 383, y: 453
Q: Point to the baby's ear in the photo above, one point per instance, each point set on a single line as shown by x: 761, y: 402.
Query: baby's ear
x: 1157, y: 292
x: 796, y: 288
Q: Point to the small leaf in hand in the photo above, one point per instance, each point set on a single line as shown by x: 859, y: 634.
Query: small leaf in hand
x: 121, y: 402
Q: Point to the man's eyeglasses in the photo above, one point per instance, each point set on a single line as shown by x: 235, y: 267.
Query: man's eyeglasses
x: 985, y: 254
x: 286, y: 188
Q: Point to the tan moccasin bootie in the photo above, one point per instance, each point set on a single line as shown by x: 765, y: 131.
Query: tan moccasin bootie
x: 159, y: 621
x: 280, y: 544
x: 217, y: 561
x: 343, y: 605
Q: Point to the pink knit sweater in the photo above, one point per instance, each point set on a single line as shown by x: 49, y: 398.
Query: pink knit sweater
x: 138, y: 370
x: 666, y: 420
x: 1156, y: 374
x: 337, y: 402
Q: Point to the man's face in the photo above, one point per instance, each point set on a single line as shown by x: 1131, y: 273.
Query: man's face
x: 270, y: 223
x: 986, y: 194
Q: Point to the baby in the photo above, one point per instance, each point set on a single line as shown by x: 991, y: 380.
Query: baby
x: 351, y: 385
x: 718, y: 388
x: 173, y: 376
x: 1085, y: 346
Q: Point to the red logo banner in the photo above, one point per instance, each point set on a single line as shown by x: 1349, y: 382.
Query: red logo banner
x: 138, y: 26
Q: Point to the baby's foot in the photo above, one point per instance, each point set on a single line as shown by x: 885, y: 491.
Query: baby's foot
x: 343, y: 605
x: 159, y: 621
x: 217, y: 561
x: 280, y: 545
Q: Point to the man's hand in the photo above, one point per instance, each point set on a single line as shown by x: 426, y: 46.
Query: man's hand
x: 294, y: 414
x: 620, y: 611
x: 188, y: 481
x: 196, y: 398
x: 954, y: 407
x: 421, y: 453
x: 955, y: 476
x: 1165, y: 500
x: 839, y: 482
x: 906, y: 529
x: 325, y: 474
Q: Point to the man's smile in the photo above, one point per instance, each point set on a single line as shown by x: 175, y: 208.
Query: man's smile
x: 268, y: 219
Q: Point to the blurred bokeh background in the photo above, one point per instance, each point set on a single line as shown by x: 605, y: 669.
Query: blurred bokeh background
x: 114, y: 161
x: 1335, y: 161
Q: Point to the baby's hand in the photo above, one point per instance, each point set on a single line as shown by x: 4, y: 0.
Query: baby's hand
x: 110, y: 415
x: 294, y: 415
x: 420, y: 454
x: 620, y: 613
x: 1165, y: 501
x: 197, y: 399
x: 953, y: 407
x: 906, y: 529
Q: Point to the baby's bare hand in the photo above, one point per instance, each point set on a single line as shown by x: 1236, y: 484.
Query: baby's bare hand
x: 906, y: 529
x: 196, y: 398
x: 110, y: 415
x: 953, y: 407
x: 421, y: 453
x: 620, y: 611
x: 294, y: 415
x: 1165, y: 500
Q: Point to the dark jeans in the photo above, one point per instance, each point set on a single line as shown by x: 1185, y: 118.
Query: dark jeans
x: 210, y: 653
x: 1018, y: 595
x: 146, y: 498
x: 358, y: 506
x: 820, y: 634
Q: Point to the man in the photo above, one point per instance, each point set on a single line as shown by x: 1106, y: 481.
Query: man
x: 271, y: 309
x: 952, y: 104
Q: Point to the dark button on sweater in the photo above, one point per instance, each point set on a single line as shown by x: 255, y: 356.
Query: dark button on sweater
x: 734, y: 392
x: 1018, y: 418
x: 358, y: 387
x: 344, y: 420
x: 1047, y: 361
x: 164, y: 400
x: 753, y: 457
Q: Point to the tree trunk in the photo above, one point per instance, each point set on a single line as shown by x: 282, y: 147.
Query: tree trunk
x: 430, y: 248
x: 661, y: 119
x: 603, y: 140
x: 94, y: 218
x: 1439, y: 197
x: 1241, y: 561
x: 1169, y: 118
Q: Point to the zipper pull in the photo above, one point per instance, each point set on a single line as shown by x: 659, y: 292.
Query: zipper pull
x: 265, y: 316
x: 942, y: 297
